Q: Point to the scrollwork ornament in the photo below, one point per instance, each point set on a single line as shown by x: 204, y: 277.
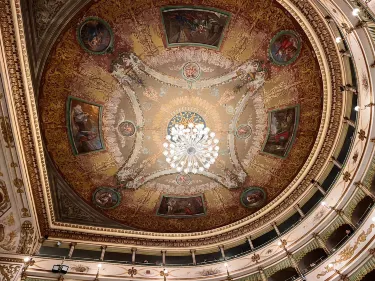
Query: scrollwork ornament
x: 26, y: 239
x: 9, y: 271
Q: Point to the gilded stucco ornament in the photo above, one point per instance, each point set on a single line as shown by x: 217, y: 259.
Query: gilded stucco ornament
x: 9, y: 271
x: 4, y: 199
x: 27, y: 238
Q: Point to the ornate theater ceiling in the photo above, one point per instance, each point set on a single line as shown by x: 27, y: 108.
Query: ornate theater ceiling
x: 120, y: 77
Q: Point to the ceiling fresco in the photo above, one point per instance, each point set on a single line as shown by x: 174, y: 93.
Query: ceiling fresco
x: 119, y: 78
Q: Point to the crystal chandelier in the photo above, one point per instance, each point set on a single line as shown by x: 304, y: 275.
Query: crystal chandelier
x: 191, y: 149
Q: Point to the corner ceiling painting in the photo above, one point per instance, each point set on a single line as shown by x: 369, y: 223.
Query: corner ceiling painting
x: 120, y: 77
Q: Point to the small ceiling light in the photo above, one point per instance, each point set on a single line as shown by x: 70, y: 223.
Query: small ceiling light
x: 26, y: 259
x: 357, y: 108
x: 279, y: 243
x: 165, y: 270
x: 60, y: 268
x: 64, y: 268
x: 355, y: 12
x: 330, y: 265
x: 323, y: 203
x: 56, y: 268
x: 373, y: 219
x: 226, y: 264
x: 338, y: 39
x: 100, y: 265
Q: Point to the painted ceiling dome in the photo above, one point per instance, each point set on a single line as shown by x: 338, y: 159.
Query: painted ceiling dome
x: 119, y: 79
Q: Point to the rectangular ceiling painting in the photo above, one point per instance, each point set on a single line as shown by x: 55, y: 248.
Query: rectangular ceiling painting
x: 282, y: 127
x: 181, y: 207
x: 191, y: 26
x: 84, y: 125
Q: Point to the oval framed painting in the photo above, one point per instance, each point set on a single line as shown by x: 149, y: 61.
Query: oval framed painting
x: 126, y: 128
x: 95, y: 36
x: 253, y: 197
x: 106, y: 198
x: 285, y: 47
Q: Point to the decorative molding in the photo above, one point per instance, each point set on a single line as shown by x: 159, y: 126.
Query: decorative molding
x: 8, y: 272
x: 25, y: 244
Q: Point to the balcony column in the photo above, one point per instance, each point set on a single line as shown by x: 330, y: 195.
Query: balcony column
x: 250, y: 243
x: 221, y: 247
x: 103, y: 252
x: 349, y: 122
x: 301, y: 213
x: 263, y: 276
x: 365, y: 190
x: 319, y: 187
x: 345, y: 53
x: 321, y: 243
x: 193, y: 257
x: 163, y: 252
x: 345, y: 218
x: 348, y: 88
x: 336, y: 163
x: 276, y: 229
x: 134, y: 250
x: 294, y: 263
x: 71, y: 250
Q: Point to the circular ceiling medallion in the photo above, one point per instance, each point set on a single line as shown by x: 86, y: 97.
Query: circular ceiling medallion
x: 126, y: 128
x: 253, y: 197
x: 183, y: 179
x: 191, y: 71
x: 106, y: 198
x: 185, y: 118
x: 285, y: 47
x: 95, y: 36
x: 243, y: 131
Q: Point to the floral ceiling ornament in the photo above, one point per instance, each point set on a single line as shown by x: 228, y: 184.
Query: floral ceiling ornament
x: 191, y: 149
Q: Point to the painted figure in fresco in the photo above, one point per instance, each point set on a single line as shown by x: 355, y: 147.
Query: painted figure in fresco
x: 84, y: 126
x: 84, y: 136
x: 287, y: 46
x: 282, y: 127
x: 183, y: 179
x: 95, y: 35
x: 84, y: 140
x: 194, y: 26
x: 253, y: 197
x: 126, y: 128
x: 106, y: 198
x: 181, y: 207
x: 80, y: 117
x: 243, y: 131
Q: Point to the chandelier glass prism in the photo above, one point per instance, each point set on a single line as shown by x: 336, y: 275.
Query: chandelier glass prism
x: 191, y: 149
